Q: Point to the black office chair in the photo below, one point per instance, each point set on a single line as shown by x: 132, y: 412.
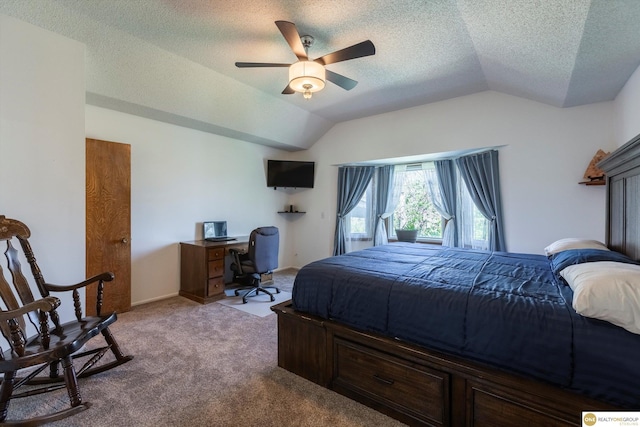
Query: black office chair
x: 261, y: 258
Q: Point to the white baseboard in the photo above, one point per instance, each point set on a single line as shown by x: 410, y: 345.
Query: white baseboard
x: 133, y: 304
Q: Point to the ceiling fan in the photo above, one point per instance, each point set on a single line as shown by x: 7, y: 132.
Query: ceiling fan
x: 308, y: 76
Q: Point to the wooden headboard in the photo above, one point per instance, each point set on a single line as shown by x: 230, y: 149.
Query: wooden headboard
x: 622, y: 169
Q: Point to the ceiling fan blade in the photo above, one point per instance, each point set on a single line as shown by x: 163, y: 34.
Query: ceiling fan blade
x: 259, y: 64
x: 359, y: 50
x: 342, y: 81
x: 288, y: 91
x: 291, y: 35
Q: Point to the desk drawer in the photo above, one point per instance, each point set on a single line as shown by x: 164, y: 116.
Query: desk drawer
x: 215, y: 253
x: 401, y: 385
x: 216, y: 268
x: 215, y: 286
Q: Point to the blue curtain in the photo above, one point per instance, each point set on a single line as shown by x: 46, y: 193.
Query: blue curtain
x: 446, y: 171
x: 480, y: 175
x: 384, y: 192
x: 352, y: 183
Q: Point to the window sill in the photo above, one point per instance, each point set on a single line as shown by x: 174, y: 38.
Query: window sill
x: 361, y: 239
x: 424, y: 241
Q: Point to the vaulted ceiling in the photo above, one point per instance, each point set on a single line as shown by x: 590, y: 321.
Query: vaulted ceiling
x: 560, y: 52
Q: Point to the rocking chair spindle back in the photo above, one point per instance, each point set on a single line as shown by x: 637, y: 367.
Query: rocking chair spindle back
x: 35, y: 336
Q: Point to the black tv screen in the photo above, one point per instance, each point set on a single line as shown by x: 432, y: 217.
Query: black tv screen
x: 286, y: 173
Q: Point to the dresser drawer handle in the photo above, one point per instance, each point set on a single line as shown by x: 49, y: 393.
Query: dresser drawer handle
x: 383, y: 380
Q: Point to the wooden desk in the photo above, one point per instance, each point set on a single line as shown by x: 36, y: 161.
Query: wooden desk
x: 203, y: 265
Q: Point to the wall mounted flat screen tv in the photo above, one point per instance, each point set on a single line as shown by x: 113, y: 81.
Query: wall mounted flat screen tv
x: 286, y: 173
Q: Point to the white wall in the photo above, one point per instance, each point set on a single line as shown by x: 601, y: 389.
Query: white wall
x: 42, y: 172
x: 179, y: 178
x: 547, y: 151
x: 627, y: 110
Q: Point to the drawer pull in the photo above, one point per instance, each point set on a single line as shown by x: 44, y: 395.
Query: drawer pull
x: 383, y: 380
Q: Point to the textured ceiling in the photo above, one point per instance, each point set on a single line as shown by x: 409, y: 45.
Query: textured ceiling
x: 560, y: 52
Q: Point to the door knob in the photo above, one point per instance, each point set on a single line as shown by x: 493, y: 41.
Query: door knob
x: 124, y: 240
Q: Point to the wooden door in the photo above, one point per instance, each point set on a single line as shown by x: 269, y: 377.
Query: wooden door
x: 108, y: 223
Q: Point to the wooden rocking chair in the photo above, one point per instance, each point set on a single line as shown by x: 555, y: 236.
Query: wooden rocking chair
x: 53, y: 344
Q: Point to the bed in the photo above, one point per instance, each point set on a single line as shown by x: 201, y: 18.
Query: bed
x: 445, y: 336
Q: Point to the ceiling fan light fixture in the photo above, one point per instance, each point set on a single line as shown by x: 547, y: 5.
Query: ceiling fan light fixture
x: 307, y: 92
x: 307, y: 77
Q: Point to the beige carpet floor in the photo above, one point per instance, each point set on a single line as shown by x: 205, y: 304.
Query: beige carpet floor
x: 202, y: 365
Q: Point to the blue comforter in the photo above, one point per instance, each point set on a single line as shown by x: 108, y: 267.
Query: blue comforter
x: 505, y: 309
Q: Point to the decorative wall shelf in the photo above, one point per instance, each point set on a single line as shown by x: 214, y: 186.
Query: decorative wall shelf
x: 594, y: 175
x: 294, y: 212
x: 596, y: 182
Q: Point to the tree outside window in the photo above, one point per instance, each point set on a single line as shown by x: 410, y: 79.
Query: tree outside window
x: 415, y: 209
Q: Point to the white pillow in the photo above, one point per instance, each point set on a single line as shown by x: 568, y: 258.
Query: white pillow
x: 606, y: 290
x: 573, y: 243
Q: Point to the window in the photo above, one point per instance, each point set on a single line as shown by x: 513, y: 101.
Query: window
x: 417, y: 186
x: 415, y: 209
x: 474, y: 227
x: 360, y: 219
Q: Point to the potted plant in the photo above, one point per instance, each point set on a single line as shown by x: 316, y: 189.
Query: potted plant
x: 408, y: 232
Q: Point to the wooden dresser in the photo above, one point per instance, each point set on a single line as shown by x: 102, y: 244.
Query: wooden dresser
x: 203, y: 266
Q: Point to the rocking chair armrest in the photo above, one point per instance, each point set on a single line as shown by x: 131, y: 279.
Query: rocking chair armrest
x: 45, y: 304
x: 105, y: 277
